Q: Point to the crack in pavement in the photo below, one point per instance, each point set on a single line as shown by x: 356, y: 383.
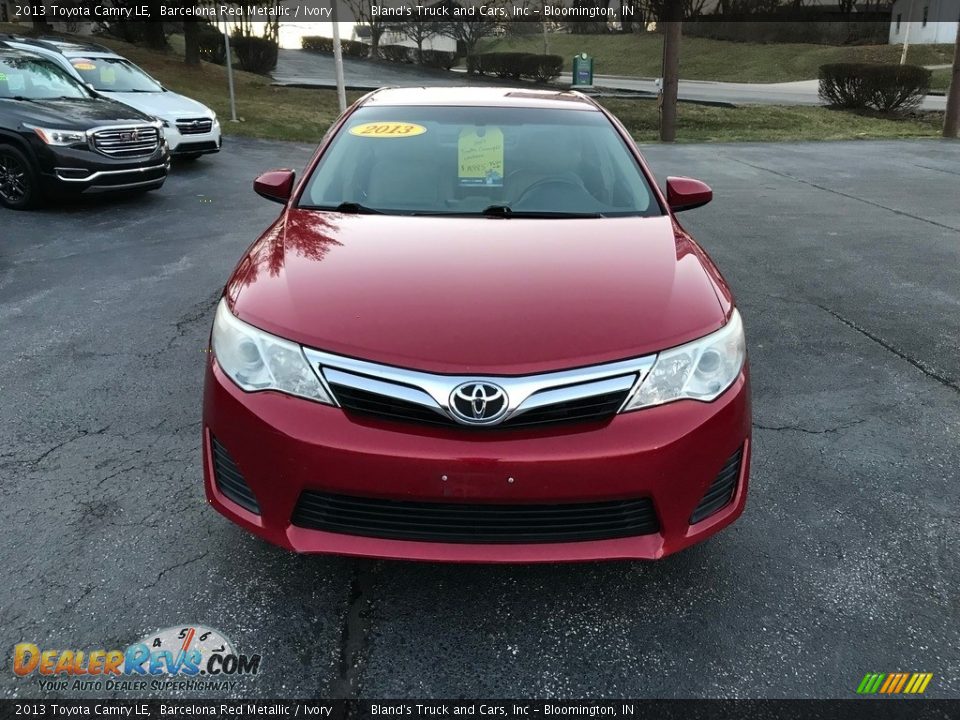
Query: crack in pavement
x: 808, y: 431
x: 82, y: 434
x: 918, y: 364
x: 925, y: 167
x: 163, y: 572
x: 354, y: 633
x: 846, y: 195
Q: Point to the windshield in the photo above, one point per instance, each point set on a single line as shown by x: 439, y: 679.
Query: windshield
x: 112, y: 74
x: 480, y: 160
x: 33, y: 78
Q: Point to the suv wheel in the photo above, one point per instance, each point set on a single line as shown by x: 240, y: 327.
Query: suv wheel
x: 18, y: 182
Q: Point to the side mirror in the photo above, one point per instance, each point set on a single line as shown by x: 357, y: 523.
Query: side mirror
x: 685, y: 193
x: 276, y: 185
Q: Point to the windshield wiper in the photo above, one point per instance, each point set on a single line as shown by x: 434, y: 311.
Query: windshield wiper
x: 505, y: 211
x: 346, y: 207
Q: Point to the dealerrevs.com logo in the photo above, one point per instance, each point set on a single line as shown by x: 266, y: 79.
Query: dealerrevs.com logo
x: 176, y: 658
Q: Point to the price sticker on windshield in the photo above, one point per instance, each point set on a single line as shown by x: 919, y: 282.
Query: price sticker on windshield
x: 480, y: 156
x: 387, y: 130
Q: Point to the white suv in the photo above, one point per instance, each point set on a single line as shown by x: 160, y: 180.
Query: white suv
x: 191, y: 129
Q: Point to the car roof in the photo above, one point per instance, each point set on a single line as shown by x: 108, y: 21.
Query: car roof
x: 7, y: 51
x: 65, y: 47
x: 481, y: 97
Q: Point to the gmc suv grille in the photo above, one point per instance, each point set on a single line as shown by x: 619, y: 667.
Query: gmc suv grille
x: 127, y: 142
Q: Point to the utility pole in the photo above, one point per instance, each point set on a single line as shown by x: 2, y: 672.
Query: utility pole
x: 338, y: 57
x: 906, y: 34
x: 226, y: 45
x: 951, y: 118
x: 672, y: 27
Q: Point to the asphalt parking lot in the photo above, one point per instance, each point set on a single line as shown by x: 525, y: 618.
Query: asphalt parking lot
x: 845, y: 260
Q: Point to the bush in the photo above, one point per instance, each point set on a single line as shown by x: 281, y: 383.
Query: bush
x: 256, y: 54
x: 439, y: 59
x: 508, y: 64
x: 350, y: 48
x: 514, y: 65
x: 397, y: 53
x: 212, y: 47
x: 475, y: 65
x: 872, y: 85
x: 542, y: 68
x: 316, y: 43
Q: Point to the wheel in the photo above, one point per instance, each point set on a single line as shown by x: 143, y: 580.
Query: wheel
x: 19, y: 188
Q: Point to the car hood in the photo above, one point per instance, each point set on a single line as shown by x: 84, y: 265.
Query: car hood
x: 472, y: 295
x: 167, y: 105
x: 72, y: 114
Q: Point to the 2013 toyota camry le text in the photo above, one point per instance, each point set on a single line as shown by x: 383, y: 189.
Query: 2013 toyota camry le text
x: 478, y: 333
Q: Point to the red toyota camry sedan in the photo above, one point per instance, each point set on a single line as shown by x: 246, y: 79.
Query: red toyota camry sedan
x: 477, y: 332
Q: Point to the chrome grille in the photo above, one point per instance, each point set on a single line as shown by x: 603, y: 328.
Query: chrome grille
x: 194, y: 126
x: 590, y: 394
x: 136, y: 141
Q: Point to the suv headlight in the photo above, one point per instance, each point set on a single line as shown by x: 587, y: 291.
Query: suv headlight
x: 54, y: 136
x: 700, y: 370
x: 256, y: 360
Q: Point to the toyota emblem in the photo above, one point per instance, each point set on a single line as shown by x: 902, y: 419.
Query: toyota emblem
x: 478, y: 403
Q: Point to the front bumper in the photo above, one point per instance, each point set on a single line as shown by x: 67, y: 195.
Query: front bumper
x: 284, y: 446
x: 193, y: 143
x: 76, y: 170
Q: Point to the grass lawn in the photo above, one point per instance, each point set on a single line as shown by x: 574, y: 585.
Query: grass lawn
x: 701, y: 123
x: 304, y: 115
x: 706, y: 59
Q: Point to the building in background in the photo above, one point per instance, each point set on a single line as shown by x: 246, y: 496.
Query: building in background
x: 929, y: 21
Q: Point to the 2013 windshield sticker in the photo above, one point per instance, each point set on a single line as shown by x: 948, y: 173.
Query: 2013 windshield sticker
x: 194, y: 657
x: 387, y: 130
x: 480, y: 156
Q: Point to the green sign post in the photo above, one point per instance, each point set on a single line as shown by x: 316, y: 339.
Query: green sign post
x: 582, y: 71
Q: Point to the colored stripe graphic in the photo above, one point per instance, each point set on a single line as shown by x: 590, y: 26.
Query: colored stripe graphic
x: 894, y: 683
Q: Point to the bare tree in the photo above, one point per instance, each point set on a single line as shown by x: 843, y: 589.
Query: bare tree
x: 363, y: 10
x: 418, y: 32
x: 469, y: 33
x: 191, y: 37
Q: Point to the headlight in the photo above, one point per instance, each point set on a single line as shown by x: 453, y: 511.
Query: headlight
x: 256, y: 360
x: 165, y: 123
x: 700, y: 370
x: 53, y: 136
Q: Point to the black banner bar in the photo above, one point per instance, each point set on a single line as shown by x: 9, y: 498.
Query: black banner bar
x: 438, y: 11
x: 854, y: 709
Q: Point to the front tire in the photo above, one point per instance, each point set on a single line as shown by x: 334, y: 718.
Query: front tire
x: 19, y: 187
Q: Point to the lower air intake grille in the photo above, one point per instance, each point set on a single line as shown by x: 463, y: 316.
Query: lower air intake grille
x: 721, y: 490
x: 471, y: 523
x: 229, y: 480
